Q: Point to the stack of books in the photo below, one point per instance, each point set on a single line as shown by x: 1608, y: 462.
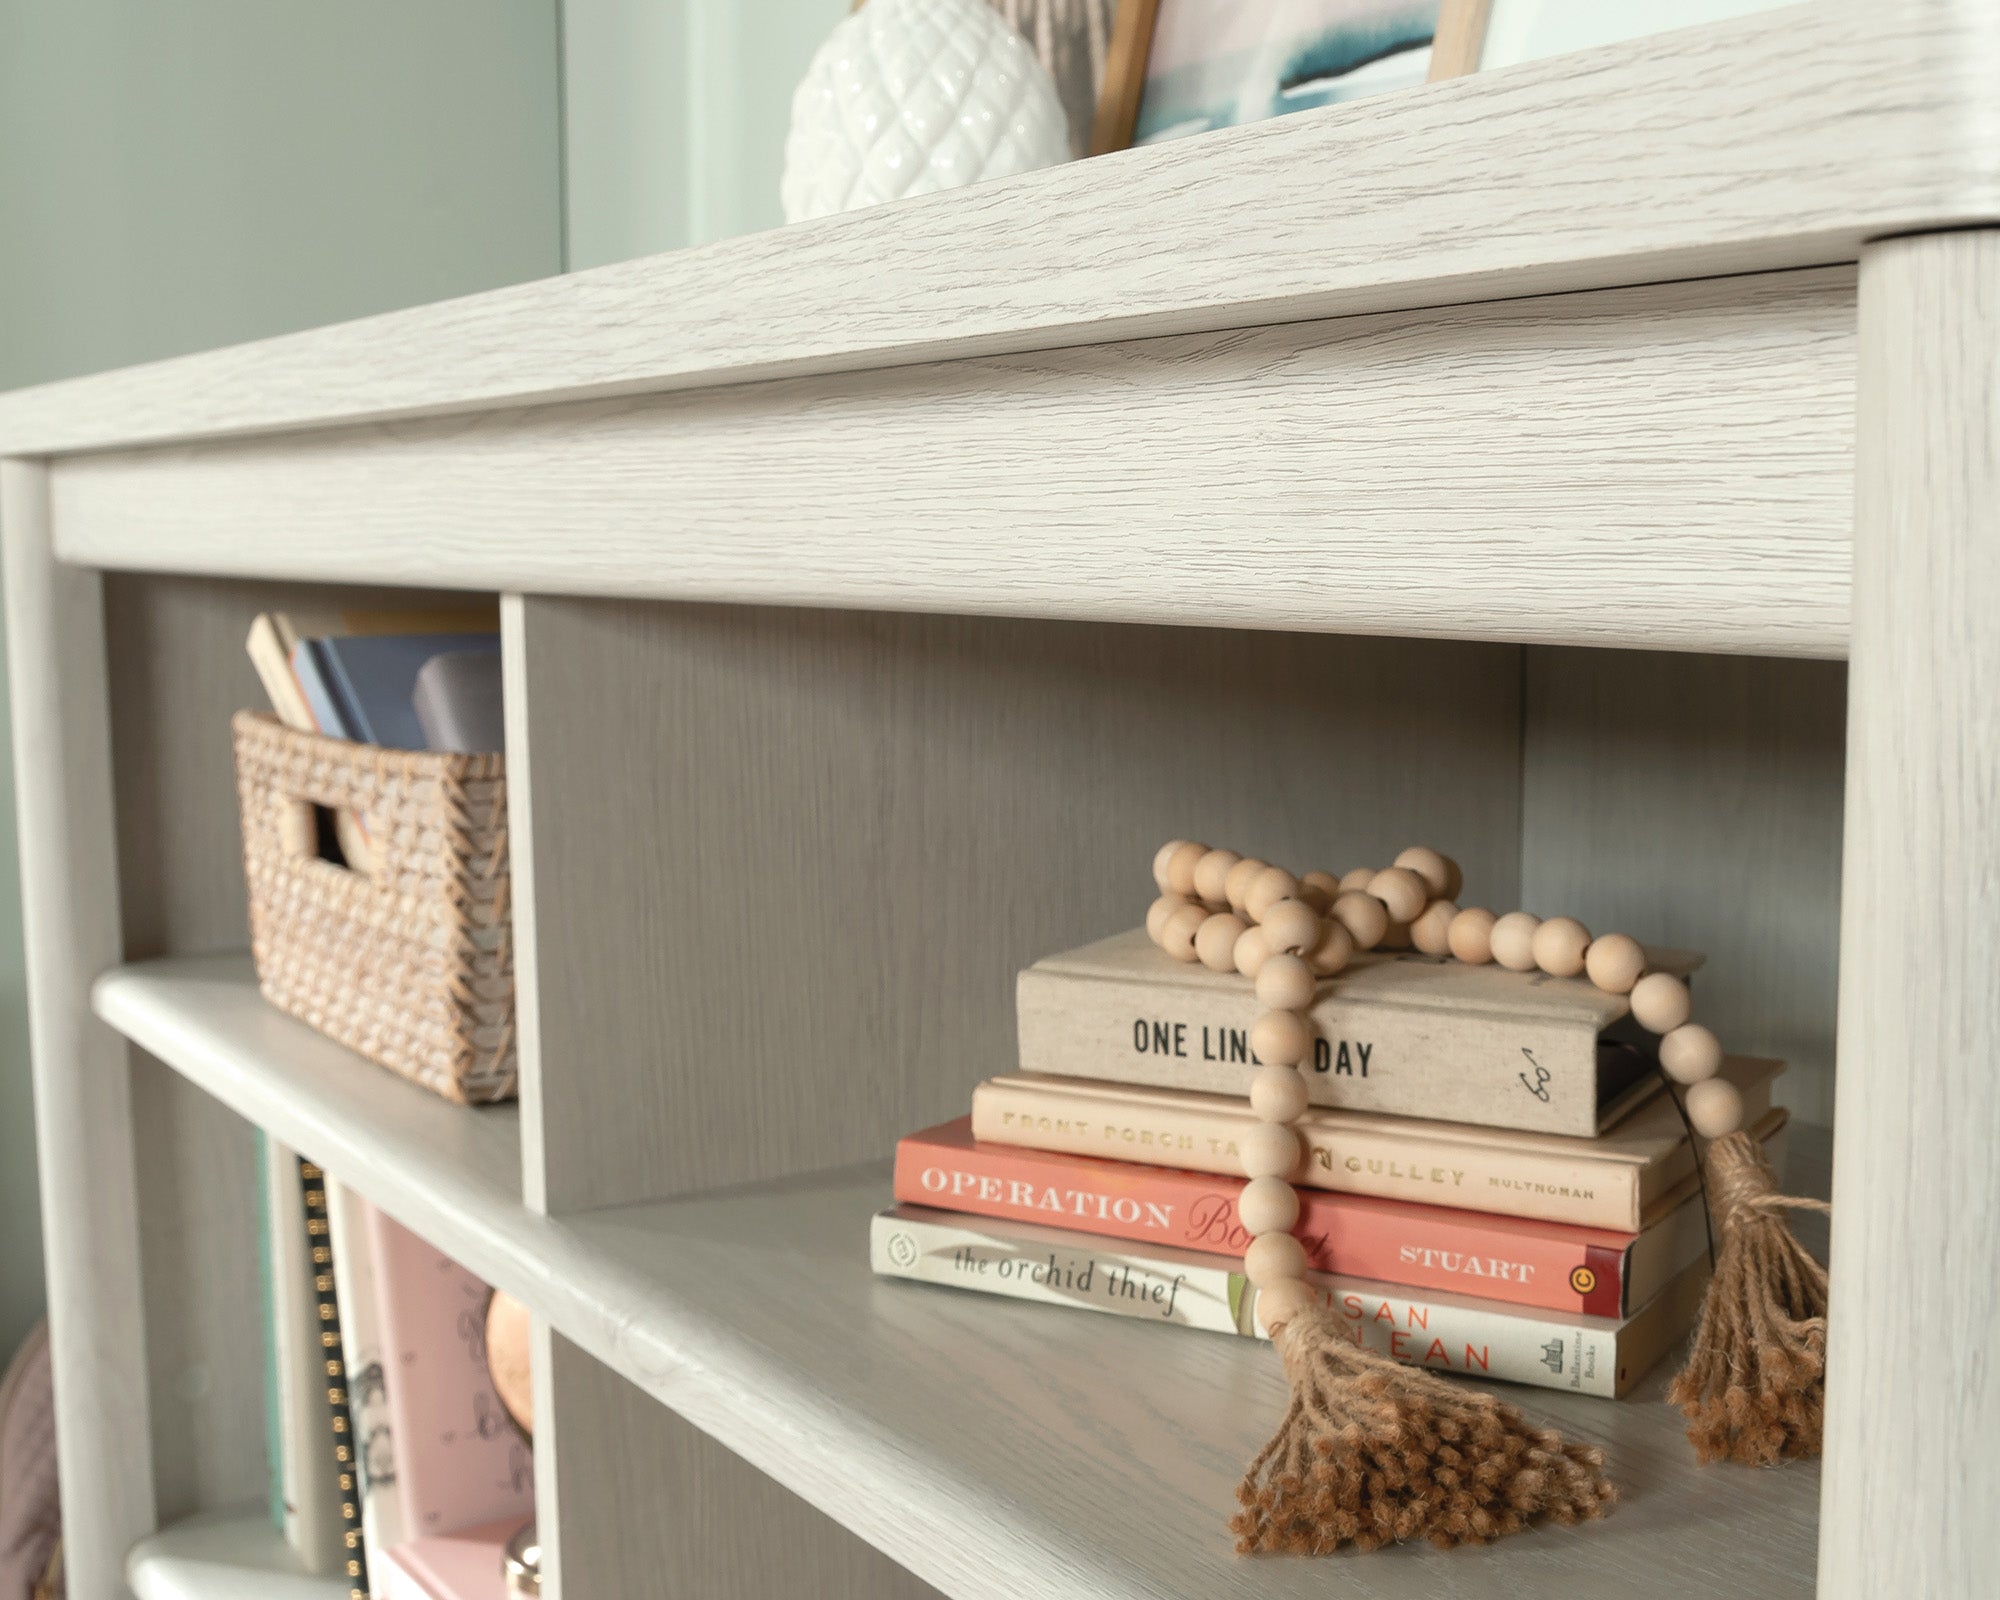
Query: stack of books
x: 1497, y: 1179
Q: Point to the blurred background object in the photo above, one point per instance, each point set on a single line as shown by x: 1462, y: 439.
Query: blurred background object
x: 909, y: 97
x: 30, y: 1516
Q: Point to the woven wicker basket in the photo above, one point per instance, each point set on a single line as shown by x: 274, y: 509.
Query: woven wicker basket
x: 412, y: 962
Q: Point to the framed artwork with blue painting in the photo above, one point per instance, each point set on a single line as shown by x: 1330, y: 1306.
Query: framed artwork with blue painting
x: 1179, y: 67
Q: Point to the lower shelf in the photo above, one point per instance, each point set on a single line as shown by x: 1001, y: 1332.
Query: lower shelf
x: 994, y: 1448
x: 230, y: 1555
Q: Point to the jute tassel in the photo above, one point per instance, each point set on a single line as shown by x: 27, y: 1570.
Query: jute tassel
x: 1372, y: 1451
x: 1754, y: 1388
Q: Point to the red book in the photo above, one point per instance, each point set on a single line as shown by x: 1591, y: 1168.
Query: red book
x: 1521, y: 1261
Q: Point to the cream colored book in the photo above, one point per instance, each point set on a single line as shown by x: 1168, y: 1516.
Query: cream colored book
x: 1447, y: 1332
x: 1610, y: 1181
x: 1415, y: 1035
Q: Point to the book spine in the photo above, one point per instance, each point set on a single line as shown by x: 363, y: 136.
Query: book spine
x: 312, y: 1493
x: 1514, y: 1347
x: 1537, y: 1074
x: 333, y: 1377
x: 274, y: 1439
x: 310, y: 669
x: 1423, y: 1247
x: 1347, y: 1160
x: 367, y: 1375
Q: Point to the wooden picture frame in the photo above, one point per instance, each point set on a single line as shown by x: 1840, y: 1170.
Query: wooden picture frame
x: 1455, y: 47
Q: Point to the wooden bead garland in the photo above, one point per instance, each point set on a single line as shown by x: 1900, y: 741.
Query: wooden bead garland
x: 1286, y: 933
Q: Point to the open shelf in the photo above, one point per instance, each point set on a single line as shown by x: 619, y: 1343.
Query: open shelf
x: 408, y: 1150
x: 229, y: 1555
x: 993, y: 1448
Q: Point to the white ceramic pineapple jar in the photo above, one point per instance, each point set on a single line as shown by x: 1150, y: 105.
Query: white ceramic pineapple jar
x: 911, y: 96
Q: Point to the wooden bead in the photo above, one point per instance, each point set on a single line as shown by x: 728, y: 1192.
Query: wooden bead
x: 1161, y: 857
x: 1158, y: 912
x: 1513, y: 941
x: 1281, y: 1302
x: 1177, y: 933
x: 1266, y: 890
x: 1273, y: 1258
x: 1236, y: 883
x: 1290, y: 925
x: 1180, y: 868
x: 1251, y: 950
x: 1558, y: 946
x: 1285, y: 982
x: 1278, y: 1094
x: 1280, y: 1037
x: 1269, y: 1150
x: 1431, y: 932
x: 1211, y: 876
x: 1659, y: 1002
x: 1267, y: 1205
x: 1215, y: 941
x: 1395, y: 937
x: 1614, y: 962
x: 1472, y: 936
x: 1401, y: 891
x: 1714, y: 1107
x: 1691, y: 1054
x: 1334, y: 950
x: 1318, y: 889
x: 1357, y: 881
x: 1454, y: 879
x: 1363, y: 916
x: 1432, y: 866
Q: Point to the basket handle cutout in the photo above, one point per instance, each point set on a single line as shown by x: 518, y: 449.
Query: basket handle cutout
x: 323, y: 834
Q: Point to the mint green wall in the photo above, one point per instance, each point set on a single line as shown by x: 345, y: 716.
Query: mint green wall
x: 175, y: 176
x: 675, y: 114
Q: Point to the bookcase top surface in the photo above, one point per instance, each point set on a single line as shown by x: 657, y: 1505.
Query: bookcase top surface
x: 1783, y: 139
x: 996, y: 1449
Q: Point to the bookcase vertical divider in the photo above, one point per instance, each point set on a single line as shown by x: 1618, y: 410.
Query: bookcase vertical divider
x: 776, y: 869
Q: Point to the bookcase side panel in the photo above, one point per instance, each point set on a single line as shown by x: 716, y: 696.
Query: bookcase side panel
x: 631, y: 1499
x: 786, y: 864
x: 1913, y: 1399
x: 1695, y: 801
x: 83, y: 1107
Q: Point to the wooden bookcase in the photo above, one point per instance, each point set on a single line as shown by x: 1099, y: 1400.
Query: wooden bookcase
x: 1587, y: 467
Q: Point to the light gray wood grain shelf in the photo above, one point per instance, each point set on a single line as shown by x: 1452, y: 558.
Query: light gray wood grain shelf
x: 224, y: 1555
x: 994, y: 1449
x: 407, y: 1149
x: 1609, y: 457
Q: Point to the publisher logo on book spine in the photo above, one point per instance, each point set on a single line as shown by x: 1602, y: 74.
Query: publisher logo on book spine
x: 902, y: 1250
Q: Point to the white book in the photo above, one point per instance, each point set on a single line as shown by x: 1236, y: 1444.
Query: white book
x: 368, y: 1379
x: 307, y: 1472
x: 1600, y: 1356
x: 1399, y: 1033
